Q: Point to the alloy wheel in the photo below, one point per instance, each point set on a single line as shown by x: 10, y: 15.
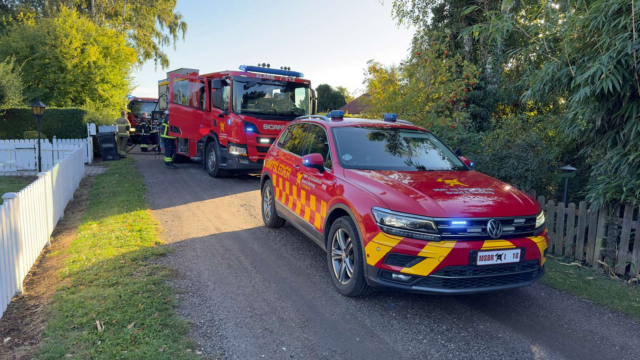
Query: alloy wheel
x: 342, y: 257
x: 267, y: 198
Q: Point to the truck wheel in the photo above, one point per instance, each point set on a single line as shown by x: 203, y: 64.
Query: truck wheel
x: 344, y: 257
x: 269, y: 215
x: 212, y: 161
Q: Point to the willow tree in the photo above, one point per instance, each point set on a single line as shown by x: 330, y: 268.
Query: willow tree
x: 149, y: 26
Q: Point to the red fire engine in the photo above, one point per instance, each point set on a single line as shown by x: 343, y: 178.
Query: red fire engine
x: 228, y: 120
x: 137, y: 106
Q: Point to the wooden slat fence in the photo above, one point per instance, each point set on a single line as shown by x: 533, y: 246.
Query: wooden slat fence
x: 27, y: 220
x: 610, y: 235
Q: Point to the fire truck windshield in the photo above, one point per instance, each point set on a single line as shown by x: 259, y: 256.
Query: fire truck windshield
x: 139, y: 107
x: 277, y: 99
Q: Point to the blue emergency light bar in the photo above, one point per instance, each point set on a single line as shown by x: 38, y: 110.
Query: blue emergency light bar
x: 263, y: 70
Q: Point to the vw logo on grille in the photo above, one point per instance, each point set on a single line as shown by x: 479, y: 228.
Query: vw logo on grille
x: 494, y: 228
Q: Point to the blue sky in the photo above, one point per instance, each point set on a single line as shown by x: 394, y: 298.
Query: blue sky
x: 329, y: 41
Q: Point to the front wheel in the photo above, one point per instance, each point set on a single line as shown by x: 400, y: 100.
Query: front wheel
x: 344, y: 258
x: 212, y: 161
x: 269, y: 215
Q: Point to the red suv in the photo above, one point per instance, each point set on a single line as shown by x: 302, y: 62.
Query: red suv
x: 395, y: 208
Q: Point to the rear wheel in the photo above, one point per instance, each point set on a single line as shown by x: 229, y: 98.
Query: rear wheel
x: 269, y: 215
x: 344, y: 258
x: 212, y: 161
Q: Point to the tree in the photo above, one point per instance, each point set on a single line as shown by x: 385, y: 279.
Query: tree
x: 70, y: 61
x: 148, y: 25
x: 348, y: 97
x: 11, y: 86
x: 585, y: 55
x: 329, y: 98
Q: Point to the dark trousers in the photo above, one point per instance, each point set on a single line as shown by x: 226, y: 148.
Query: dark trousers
x: 169, y: 150
x: 144, y: 142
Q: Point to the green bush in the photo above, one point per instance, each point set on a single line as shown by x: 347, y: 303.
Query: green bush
x: 33, y: 134
x: 68, y: 123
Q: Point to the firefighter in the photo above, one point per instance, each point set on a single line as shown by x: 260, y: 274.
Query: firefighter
x: 145, y: 129
x: 122, y: 136
x: 168, y: 141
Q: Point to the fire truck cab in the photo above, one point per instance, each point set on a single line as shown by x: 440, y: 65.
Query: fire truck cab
x: 228, y: 120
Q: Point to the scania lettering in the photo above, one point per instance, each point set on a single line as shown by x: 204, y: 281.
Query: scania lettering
x: 228, y: 120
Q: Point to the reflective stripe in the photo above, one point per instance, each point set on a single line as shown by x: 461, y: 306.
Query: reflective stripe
x: 168, y: 159
x: 165, y: 132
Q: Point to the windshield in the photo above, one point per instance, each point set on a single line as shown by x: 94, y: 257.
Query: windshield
x: 277, y: 99
x: 139, y: 107
x: 376, y: 148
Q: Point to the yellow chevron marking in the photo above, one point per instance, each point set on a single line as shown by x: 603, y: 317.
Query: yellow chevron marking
x: 286, y: 187
x: 383, y: 242
x: 323, y: 207
x: 298, y: 205
x: 434, y: 252
x: 290, y: 206
x: 542, y: 245
x: 317, y: 221
x: 497, y: 244
x: 303, y: 196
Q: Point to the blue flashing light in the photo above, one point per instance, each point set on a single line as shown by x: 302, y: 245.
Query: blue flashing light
x: 390, y: 117
x: 472, y: 164
x: 458, y: 223
x: 229, y: 122
x: 336, y: 114
x: 259, y: 69
x: 249, y: 128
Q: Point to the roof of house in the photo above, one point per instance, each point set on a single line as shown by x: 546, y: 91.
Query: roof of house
x: 356, y: 106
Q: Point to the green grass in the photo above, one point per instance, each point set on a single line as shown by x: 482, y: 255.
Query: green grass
x: 593, y: 285
x: 12, y: 184
x: 108, y: 278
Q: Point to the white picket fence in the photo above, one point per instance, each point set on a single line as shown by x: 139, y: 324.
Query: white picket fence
x: 20, y: 157
x: 27, y: 220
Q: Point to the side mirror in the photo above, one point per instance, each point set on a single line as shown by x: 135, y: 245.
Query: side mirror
x: 216, y: 84
x: 314, y: 161
x: 466, y: 161
x: 458, y: 152
x: 314, y: 102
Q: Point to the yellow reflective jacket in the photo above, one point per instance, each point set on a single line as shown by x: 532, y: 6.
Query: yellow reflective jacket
x: 123, y: 127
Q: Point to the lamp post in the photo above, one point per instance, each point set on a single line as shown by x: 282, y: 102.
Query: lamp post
x: 568, y: 170
x: 38, y: 111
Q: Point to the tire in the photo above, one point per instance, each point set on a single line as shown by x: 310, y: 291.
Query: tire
x: 268, y: 205
x: 353, y: 284
x: 212, y: 161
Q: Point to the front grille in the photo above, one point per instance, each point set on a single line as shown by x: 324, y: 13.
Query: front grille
x: 263, y: 149
x: 402, y: 260
x: 477, y: 282
x: 487, y: 270
x: 476, y: 229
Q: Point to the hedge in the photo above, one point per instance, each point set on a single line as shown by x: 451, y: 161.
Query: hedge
x: 68, y: 123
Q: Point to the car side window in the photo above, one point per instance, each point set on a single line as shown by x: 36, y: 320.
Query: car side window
x: 295, y: 144
x: 318, y: 142
x: 284, y: 138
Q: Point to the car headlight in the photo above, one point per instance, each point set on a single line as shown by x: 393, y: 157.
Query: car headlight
x: 237, y: 150
x: 405, y: 225
x: 540, y: 220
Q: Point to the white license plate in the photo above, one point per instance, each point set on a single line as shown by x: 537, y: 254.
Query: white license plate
x: 498, y: 257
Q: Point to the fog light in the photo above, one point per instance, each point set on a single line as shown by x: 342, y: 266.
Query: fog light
x: 400, y: 277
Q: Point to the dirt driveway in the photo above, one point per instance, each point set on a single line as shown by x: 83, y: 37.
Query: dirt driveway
x: 253, y: 292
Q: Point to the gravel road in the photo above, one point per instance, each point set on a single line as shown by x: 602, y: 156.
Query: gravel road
x: 253, y: 292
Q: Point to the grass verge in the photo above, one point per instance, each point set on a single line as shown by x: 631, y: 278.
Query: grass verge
x: 13, y: 184
x: 591, y: 284
x: 114, y: 303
